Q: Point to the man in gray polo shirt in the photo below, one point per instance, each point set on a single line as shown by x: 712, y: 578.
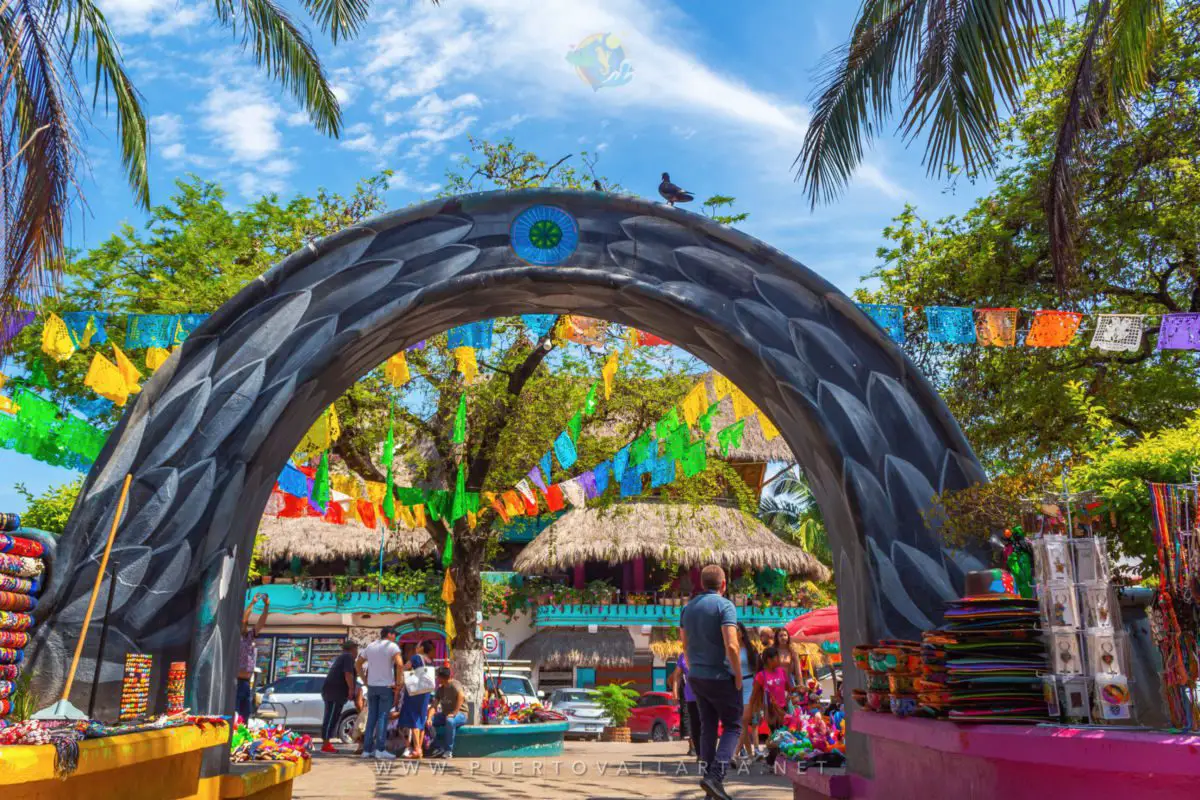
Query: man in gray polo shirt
x: 708, y: 628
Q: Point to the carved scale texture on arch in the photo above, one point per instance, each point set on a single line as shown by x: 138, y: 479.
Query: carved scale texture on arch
x: 208, y: 435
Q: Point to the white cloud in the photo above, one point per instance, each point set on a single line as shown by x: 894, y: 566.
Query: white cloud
x: 167, y: 139
x: 402, y: 181
x: 243, y: 123
x: 154, y: 17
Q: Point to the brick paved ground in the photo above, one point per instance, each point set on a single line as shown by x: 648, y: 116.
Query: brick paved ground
x: 585, y: 770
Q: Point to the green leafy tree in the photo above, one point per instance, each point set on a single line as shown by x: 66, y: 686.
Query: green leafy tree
x: 55, y: 48
x: 791, y: 512
x: 618, y: 702
x: 50, y: 510
x: 953, y: 68
x: 1138, y: 249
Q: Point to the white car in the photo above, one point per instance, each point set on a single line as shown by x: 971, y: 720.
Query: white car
x: 584, y: 715
x: 516, y: 689
x: 296, y: 702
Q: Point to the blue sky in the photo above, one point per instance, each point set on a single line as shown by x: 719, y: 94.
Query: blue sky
x: 718, y: 98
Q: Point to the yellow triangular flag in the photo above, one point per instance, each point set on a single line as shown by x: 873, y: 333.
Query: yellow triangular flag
x: 335, y: 428
x: 56, y: 339
x: 396, y: 370
x: 346, y: 484
x: 106, y: 380
x: 464, y: 358
x: 418, y: 515
x: 609, y: 371
x: 128, y: 371
x: 742, y: 405
x: 451, y: 631
x: 695, y: 404
x: 722, y: 386
x: 375, y: 491
x: 155, y: 358
x: 769, y: 431
x: 406, y: 516
x: 472, y: 520
x: 8, y: 406
x: 448, y: 588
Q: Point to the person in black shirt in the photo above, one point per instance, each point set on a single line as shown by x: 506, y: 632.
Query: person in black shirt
x: 337, y: 689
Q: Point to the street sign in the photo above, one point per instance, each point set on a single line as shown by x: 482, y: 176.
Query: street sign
x: 491, y: 644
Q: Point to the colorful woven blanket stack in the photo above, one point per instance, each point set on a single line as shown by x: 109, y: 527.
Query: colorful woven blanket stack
x: 985, y: 664
x: 20, y: 581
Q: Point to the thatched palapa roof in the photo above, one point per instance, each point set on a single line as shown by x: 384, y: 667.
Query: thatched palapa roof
x: 565, y: 648
x: 314, y: 539
x: 691, y: 536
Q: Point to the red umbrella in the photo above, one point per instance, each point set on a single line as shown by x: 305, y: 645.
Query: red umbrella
x: 815, y: 626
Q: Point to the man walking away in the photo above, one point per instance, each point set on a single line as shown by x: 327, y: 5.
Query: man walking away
x: 708, y: 627
x: 337, y: 689
x: 383, y: 666
x: 248, y: 655
x: 452, y: 714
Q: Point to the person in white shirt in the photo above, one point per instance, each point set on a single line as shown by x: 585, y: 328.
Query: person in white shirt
x: 381, y: 660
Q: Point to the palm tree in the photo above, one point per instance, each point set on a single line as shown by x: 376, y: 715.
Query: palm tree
x: 957, y: 63
x: 51, y: 47
x: 792, y: 513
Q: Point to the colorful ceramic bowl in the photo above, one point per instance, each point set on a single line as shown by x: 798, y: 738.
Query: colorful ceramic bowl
x: 862, y: 654
x: 900, y: 683
x: 877, y: 681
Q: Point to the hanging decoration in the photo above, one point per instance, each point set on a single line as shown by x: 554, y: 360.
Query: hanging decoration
x: 12, y: 322
x: 547, y: 464
x: 1176, y: 611
x: 86, y: 328
x: 321, y: 486
x: 1179, y: 332
x: 769, y: 431
x: 149, y: 330
x: 465, y: 363
x: 56, y: 339
x: 539, y: 324
x: 321, y: 436
x: 128, y: 371
x: 106, y: 380
x: 575, y: 425
x: 184, y: 325
x: 477, y: 335
x: 731, y: 436
x: 1118, y: 333
x: 573, y: 491
x: 620, y: 460
x: 554, y: 498
x: 458, y: 505
x: 705, y: 422
x: 1053, y: 328
x: 395, y: 370
x: 589, y: 402
x: 586, y: 331
x: 389, y: 456
x: 722, y: 386
x: 155, y: 358
x: 695, y: 458
x: 535, y: 475
x: 564, y: 450
x: 460, y: 421
x: 695, y: 403
x: 650, y: 340
x: 609, y: 372
x: 996, y: 327
x: 950, y: 324
x: 887, y: 316
x: 742, y: 405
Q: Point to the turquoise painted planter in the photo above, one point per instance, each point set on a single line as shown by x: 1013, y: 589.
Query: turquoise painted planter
x: 536, y: 740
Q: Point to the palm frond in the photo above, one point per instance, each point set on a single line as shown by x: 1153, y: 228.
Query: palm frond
x: 285, y: 52
x: 974, y: 56
x: 1080, y: 111
x: 855, y: 94
x: 341, y: 18
x: 1129, y: 54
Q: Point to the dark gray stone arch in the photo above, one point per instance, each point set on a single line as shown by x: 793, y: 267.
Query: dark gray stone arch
x: 208, y: 435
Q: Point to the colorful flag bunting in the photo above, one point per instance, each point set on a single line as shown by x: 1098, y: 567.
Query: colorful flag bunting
x: 321, y: 487
x: 588, y: 481
x: 106, y: 380
x: 535, y: 475
x: 705, y: 422
x: 366, y: 513
x: 554, y: 498
x: 609, y: 372
x: 156, y: 357
x: 575, y: 425
x: 1179, y: 332
x: 722, y: 386
x: 589, y: 402
x: 695, y: 458
x: 742, y: 405
x: 458, y: 507
x: 950, y: 324
x: 460, y: 421
x: 564, y: 450
x: 573, y: 491
x: 602, y: 476
x: 464, y: 360
x: 731, y: 436
x: 996, y: 327
x: 1118, y: 333
x: 293, y: 482
x: 184, y: 325
x: 1053, y: 328
x: 631, y: 483
x: 620, y: 461
x: 149, y: 330
x: 887, y: 316
x: 128, y: 371
x: 667, y: 424
x: 547, y: 464
x: 395, y: 370
x: 539, y: 324
x: 389, y: 455
x: 695, y: 403
x: 769, y: 431
x: 584, y: 330
x: 663, y: 472
x: 12, y: 323
x: 86, y: 328
x: 56, y: 339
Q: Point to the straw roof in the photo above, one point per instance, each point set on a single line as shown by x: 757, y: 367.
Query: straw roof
x: 314, y: 539
x: 565, y: 648
x: 687, y: 535
x: 665, y: 643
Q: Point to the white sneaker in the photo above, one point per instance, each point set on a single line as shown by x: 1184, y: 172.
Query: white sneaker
x: 384, y: 755
x: 367, y: 754
x: 408, y: 753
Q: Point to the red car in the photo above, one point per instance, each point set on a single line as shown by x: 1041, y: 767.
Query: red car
x: 655, y: 718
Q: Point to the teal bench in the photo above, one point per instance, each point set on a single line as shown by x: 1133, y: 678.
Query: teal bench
x: 536, y: 740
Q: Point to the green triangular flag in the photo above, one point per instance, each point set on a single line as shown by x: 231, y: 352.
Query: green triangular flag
x: 589, y: 405
x: 667, y: 425
x: 460, y: 420
x: 458, y: 508
x: 705, y: 421
x: 574, y: 425
x: 640, y: 450
x: 681, y: 437
x: 410, y: 495
x: 731, y: 436
x: 320, y: 493
x: 437, y: 504
x: 695, y: 458
x: 389, y: 455
x: 448, y: 551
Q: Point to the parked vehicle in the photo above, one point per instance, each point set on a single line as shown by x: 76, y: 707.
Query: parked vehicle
x: 655, y: 718
x: 296, y: 701
x: 584, y: 716
x: 516, y: 689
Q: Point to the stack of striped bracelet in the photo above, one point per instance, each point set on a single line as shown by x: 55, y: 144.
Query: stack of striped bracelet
x: 20, y: 581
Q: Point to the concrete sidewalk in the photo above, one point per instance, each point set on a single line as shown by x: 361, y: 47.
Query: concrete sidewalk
x: 593, y: 770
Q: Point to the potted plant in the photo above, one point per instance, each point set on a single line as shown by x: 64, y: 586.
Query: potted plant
x: 742, y: 590
x: 598, y: 592
x: 617, y: 700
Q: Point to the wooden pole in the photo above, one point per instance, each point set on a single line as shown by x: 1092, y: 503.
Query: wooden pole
x: 112, y: 534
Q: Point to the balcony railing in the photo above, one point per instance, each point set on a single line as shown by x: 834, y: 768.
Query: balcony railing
x: 314, y: 598
x: 658, y: 616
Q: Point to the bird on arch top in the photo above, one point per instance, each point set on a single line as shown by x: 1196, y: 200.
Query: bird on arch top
x: 672, y: 193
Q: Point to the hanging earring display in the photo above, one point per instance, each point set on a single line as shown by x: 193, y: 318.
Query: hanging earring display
x: 135, y: 688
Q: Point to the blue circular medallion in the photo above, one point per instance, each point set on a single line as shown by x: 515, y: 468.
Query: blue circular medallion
x: 544, y: 235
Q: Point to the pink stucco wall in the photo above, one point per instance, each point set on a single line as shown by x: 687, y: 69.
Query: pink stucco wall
x: 923, y: 759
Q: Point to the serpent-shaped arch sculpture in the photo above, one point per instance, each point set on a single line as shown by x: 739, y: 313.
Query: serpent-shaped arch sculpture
x: 210, y: 432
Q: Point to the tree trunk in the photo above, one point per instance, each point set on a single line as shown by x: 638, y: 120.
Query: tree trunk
x: 468, y: 600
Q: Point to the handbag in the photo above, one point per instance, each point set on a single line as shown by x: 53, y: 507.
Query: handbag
x: 419, y: 681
